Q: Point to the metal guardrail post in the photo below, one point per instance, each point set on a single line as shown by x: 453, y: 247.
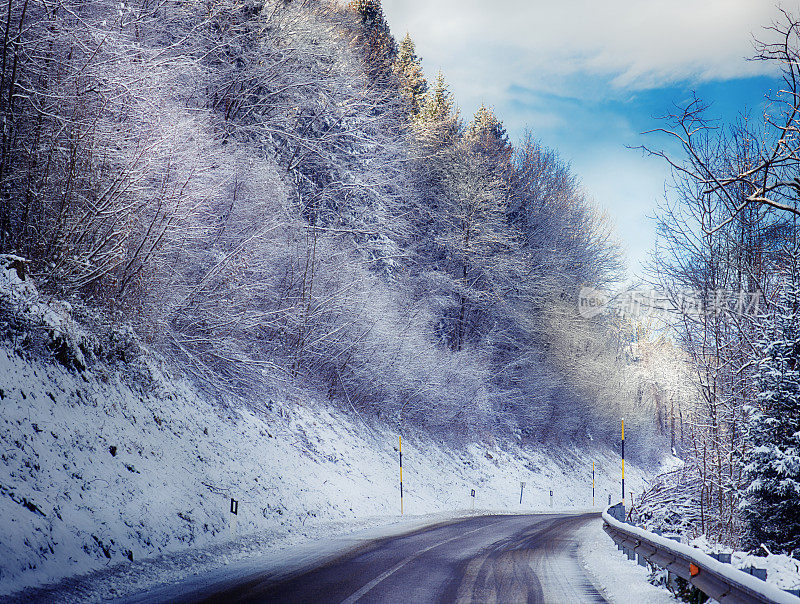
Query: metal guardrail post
x: 726, y: 558
x: 759, y: 573
x: 617, y: 511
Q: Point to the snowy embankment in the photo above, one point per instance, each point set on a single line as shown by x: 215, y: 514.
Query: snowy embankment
x: 102, y: 468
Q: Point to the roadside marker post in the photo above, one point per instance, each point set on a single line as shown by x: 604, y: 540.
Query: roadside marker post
x: 234, y: 514
x: 592, y: 485
x: 472, y: 494
x: 521, y: 488
x: 400, y: 444
x: 551, y: 497
x: 623, y: 461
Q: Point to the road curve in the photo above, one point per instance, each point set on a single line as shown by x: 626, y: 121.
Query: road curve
x: 502, y: 559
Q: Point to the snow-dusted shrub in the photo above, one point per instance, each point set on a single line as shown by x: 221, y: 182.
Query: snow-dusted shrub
x: 671, y: 504
x: 34, y: 323
x: 91, y: 176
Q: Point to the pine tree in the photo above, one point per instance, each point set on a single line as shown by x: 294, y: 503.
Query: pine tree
x: 489, y: 140
x: 772, y: 501
x: 468, y: 221
x: 487, y: 131
x: 408, y: 69
x: 375, y: 38
x: 438, y: 122
x: 438, y: 102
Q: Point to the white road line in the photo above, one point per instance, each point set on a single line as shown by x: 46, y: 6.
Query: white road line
x: 366, y: 588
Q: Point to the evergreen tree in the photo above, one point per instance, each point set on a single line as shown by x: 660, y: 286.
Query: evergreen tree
x: 438, y: 122
x: 489, y: 140
x: 375, y: 38
x: 408, y: 69
x: 487, y: 131
x: 467, y: 220
x: 772, y: 501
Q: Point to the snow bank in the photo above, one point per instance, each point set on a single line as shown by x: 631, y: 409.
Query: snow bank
x: 783, y: 571
x: 617, y: 578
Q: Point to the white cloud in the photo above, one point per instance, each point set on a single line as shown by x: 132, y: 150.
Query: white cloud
x: 546, y: 62
x: 638, y: 44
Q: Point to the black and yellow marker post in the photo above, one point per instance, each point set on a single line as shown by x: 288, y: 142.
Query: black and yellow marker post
x: 400, y: 438
x: 623, y: 462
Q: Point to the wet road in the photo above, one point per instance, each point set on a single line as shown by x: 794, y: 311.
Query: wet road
x: 501, y: 559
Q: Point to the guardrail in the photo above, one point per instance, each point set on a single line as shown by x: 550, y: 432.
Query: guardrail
x: 714, y: 578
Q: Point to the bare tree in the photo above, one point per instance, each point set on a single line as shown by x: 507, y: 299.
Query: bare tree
x: 721, y: 243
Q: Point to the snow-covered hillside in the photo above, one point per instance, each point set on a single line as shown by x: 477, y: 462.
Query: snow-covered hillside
x: 116, y: 463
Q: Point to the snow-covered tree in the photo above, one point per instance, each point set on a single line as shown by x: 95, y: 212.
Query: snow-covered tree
x: 408, y: 68
x: 438, y: 121
x: 487, y: 132
x: 375, y: 38
x: 772, y: 502
x: 488, y: 138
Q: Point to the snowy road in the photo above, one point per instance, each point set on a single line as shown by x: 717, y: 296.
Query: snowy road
x: 520, y: 558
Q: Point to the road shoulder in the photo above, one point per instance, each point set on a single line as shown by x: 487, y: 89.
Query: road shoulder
x: 619, y: 580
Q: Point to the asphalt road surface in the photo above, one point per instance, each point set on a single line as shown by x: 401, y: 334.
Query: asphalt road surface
x: 500, y: 559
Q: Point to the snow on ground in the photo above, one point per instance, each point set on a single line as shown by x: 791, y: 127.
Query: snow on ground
x: 95, y: 472
x: 131, y: 477
x: 782, y: 571
x: 619, y: 580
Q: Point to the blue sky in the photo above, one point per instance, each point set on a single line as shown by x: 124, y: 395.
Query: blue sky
x: 589, y: 76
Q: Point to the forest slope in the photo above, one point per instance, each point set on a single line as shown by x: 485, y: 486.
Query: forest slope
x: 272, y: 191
x: 122, y: 462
